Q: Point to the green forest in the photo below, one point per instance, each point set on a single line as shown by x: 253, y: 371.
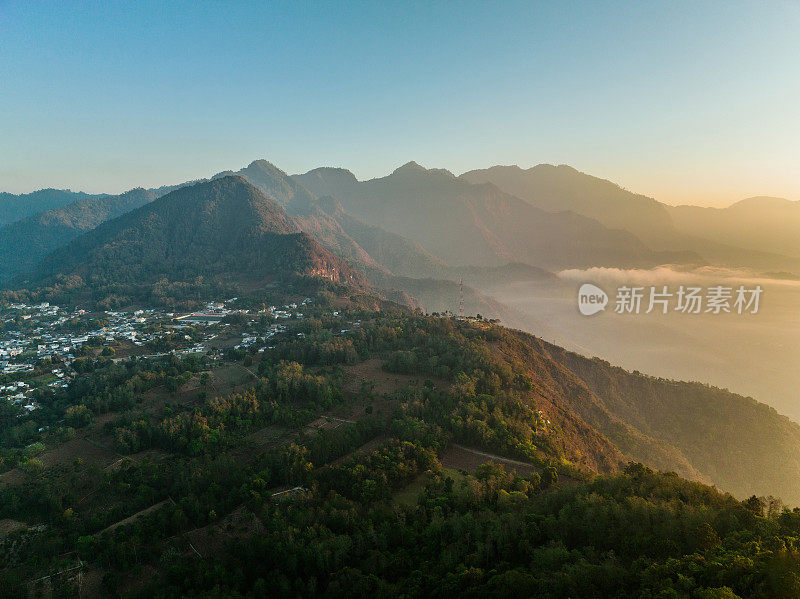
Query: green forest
x: 326, y: 469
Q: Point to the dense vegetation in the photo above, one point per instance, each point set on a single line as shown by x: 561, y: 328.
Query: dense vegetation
x: 298, y: 478
x: 27, y: 241
x: 194, y: 243
x: 499, y: 535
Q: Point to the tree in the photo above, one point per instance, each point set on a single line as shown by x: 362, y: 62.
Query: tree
x: 549, y: 476
x: 755, y: 505
x: 78, y: 416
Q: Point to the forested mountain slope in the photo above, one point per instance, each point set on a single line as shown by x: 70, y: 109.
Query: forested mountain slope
x: 14, y: 207
x: 25, y: 242
x: 403, y: 455
x: 224, y: 230
x: 736, y: 442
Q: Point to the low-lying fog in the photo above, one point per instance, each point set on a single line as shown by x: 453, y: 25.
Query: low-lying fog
x: 751, y: 354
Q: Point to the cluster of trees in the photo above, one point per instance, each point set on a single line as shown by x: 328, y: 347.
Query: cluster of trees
x: 376, y: 476
x: 490, y: 400
x: 290, y: 382
x: 326, y: 351
x: 288, y: 396
x: 104, y: 386
x: 180, y: 290
x: 639, y: 534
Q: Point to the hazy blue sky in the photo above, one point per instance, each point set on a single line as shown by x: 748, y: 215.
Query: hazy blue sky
x: 687, y: 102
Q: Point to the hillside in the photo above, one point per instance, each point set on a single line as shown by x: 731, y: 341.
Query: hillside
x: 401, y: 269
x: 698, y: 431
x: 395, y: 253
x: 25, y: 242
x: 734, y: 442
x: 327, y: 230
x: 222, y: 230
x: 380, y: 459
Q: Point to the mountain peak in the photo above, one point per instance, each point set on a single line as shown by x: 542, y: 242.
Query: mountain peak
x: 764, y: 203
x: 411, y: 168
x: 565, y: 169
x: 329, y: 172
x: 328, y: 181
x: 231, y: 198
x: 263, y: 165
x: 273, y: 183
x: 222, y: 180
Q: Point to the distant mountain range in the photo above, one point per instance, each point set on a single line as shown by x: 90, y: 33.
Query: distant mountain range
x: 759, y: 233
x: 560, y: 188
x: 762, y: 223
x: 419, y: 223
x: 465, y: 224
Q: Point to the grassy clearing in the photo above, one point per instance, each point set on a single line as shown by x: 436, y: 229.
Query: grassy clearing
x: 410, y: 495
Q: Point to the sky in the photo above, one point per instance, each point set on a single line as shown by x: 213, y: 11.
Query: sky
x: 687, y: 102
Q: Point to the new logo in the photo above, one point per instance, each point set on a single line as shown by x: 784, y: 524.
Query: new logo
x: 591, y: 299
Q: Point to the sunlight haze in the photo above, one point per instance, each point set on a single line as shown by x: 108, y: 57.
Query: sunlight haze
x: 698, y: 110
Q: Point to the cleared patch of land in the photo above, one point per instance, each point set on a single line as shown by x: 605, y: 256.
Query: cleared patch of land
x: 66, y: 453
x: 269, y: 435
x: 459, y: 457
x: 384, y: 382
x: 133, y: 517
x: 239, y: 524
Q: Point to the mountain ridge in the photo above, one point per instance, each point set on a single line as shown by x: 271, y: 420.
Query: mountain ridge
x: 15, y: 207
x: 221, y: 228
x: 25, y: 242
x: 452, y: 219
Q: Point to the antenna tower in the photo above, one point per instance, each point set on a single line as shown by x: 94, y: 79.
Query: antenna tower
x: 461, y: 298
